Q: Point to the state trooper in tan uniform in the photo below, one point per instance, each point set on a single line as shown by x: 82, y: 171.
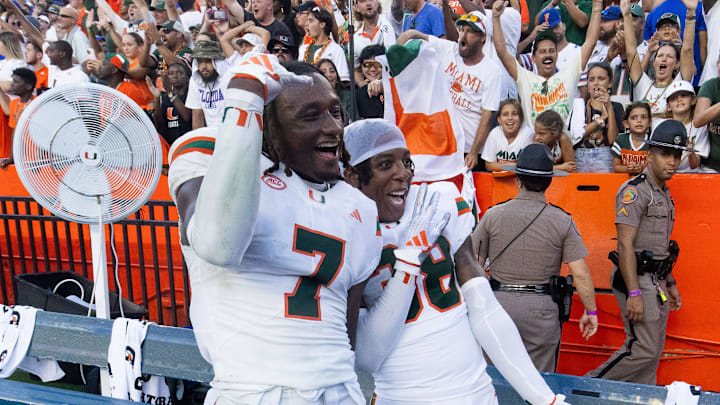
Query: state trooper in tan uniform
x: 527, y: 240
x: 643, y: 285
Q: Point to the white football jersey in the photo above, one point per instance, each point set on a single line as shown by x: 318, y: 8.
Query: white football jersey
x: 279, y: 318
x: 436, y: 357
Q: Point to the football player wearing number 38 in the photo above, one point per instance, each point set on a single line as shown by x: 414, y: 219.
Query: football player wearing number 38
x: 277, y: 246
x: 421, y: 338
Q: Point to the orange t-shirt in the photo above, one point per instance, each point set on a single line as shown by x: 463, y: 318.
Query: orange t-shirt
x: 524, y: 12
x: 139, y: 94
x: 5, y: 137
x: 142, y: 87
x: 42, y: 77
x: 16, y: 108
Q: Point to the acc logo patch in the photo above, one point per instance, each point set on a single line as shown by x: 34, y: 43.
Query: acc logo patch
x: 629, y: 195
x: 273, y: 182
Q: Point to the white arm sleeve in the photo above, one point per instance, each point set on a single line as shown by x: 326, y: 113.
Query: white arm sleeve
x: 499, y: 337
x: 227, y: 204
x: 379, y: 329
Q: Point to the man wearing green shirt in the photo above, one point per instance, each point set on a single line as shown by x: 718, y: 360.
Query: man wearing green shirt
x: 707, y: 112
x: 575, y: 15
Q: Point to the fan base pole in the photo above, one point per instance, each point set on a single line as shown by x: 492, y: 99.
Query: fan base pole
x: 102, y: 299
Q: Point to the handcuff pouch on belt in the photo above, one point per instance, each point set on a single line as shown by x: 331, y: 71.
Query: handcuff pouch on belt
x: 561, y: 291
x: 658, y: 269
x: 645, y: 263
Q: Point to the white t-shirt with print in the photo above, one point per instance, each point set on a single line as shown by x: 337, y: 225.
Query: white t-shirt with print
x: 645, y: 90
x: 473, y: 88
x: 210, y: 97
x: 557, y: 93
x: 497, y: 148
x: 335, y: 53
x: 57, y: 77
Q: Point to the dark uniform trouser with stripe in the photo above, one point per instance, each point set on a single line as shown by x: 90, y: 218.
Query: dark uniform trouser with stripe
x: 638, y: 358
x: 537, y: 319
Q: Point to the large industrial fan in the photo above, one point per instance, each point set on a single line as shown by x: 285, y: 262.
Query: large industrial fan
x: 88, y: 154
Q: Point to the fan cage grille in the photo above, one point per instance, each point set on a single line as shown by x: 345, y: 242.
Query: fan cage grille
x: 87, y: 153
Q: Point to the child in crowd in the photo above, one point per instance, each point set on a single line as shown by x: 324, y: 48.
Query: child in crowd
x: 681, y: 106
x: 549, y: 127
x: 595, y: 122
x: 630, y: 150
x: 507, y: 139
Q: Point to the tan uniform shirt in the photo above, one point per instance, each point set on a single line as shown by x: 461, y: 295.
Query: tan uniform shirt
x: 539, y: 252
x: 643, y: 204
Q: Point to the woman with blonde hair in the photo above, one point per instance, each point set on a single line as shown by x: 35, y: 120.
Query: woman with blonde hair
x: 11, y: 49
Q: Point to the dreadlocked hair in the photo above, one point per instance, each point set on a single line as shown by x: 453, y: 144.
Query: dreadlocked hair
x: 272, y: 127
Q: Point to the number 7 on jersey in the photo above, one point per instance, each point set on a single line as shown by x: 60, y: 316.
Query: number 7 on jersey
x: 304, y: 301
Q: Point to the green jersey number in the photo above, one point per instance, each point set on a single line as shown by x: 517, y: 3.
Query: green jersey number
x: 304, y: 301
x: 439, y: 284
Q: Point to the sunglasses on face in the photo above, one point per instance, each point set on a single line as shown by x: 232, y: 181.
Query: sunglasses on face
x: 663, y: 43
x: 66, y: 16
x: 282, y: 50
x: 370, y: 64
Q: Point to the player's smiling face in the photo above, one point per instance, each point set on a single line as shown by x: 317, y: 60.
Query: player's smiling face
x: 391, y: 173
x: 311, y: 130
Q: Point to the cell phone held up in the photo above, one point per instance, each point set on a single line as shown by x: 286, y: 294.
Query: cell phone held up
x: 217, y: 14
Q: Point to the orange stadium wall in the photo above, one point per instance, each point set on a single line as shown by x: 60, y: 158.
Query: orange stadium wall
x: 692, y: 350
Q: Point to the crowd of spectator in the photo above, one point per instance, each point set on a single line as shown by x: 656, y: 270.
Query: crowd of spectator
x: 589, y: 80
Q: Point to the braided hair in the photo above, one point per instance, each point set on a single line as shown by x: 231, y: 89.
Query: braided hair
x: 272, y: 125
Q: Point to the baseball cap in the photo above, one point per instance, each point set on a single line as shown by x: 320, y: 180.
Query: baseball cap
x: 250, y: 38
x: 673, y: 18
x: 44, y: 18
x: 53, y: 9
x: 637, y: 10
x: 195, y: 27
x: 119, y: 60
x: 367, y: 138
x: 679, y: 87
x: 306, y: 6
x: 32, y: 20
x: 157, y: 6
x: 173, y: 26
x: 127, y: 2
x: 669, y: 134
x: 611, y: 13
x: 283, y: 39
x: 474, y: 20
x: 550, y: 16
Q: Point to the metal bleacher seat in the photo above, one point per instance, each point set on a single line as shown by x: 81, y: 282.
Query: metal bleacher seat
x: 172, y: 352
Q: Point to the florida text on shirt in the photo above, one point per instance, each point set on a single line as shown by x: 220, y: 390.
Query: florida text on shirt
x: 549, y: 95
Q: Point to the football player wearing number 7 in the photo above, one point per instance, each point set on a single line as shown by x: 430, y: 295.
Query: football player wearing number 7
x: 277, y: 246
x: 421, y: 339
